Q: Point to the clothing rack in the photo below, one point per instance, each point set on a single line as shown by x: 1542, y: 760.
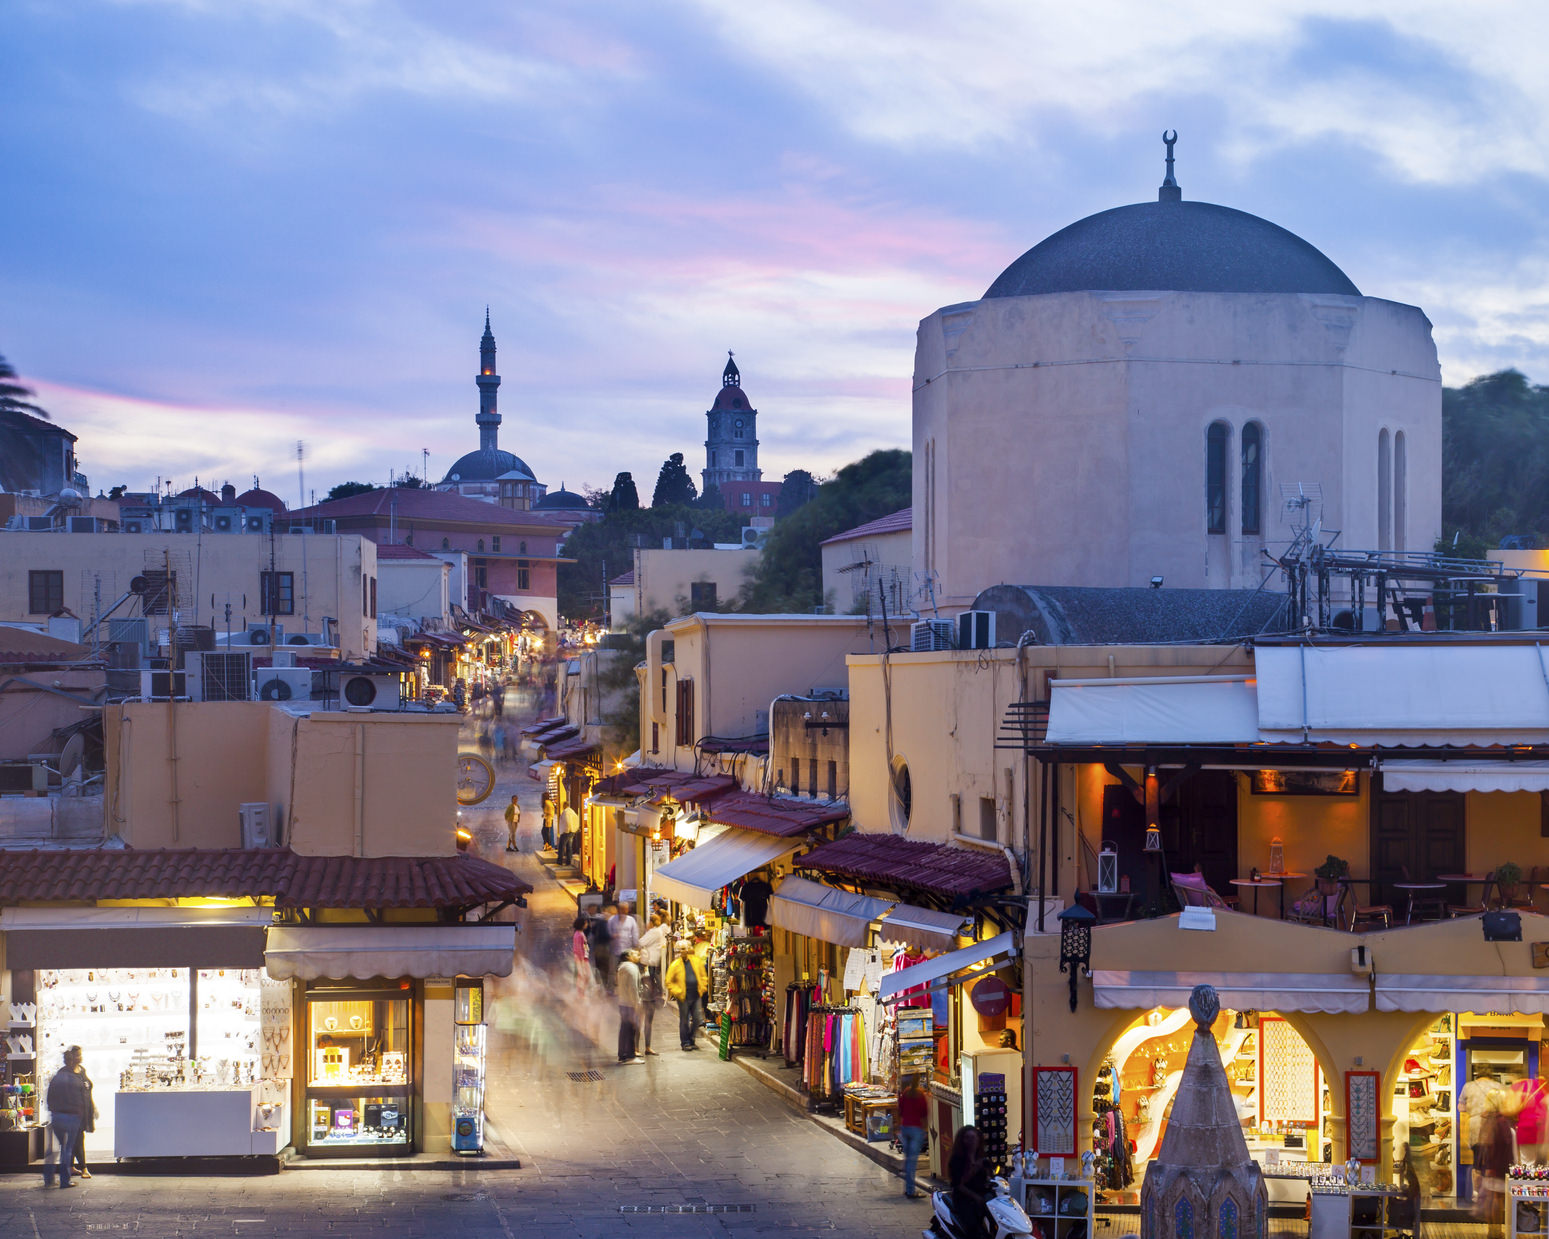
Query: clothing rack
x: 798, y: 1002
x: 835, y: 1053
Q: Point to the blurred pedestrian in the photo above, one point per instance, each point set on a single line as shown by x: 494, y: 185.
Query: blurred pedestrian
x: 578, y: 950
x: 548, y: 823
x: 601, y: 945
x: 88, y: 1122
x: 912, y: 1130
x: 628, y: 997
x: 513, y: 824
x: 69, y: 1101
x: 623, y: 930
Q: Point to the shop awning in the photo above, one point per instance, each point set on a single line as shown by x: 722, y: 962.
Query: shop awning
x: 569, y: 750
x: 540, y: 769
x: 1410, y: 991
x: 135, y: 937
x: 824, y: 913
x: 1465, y: 776
x: 1397, y: 694
x: 1213, y: 709
x: 695, y: 876
x: 911, y: 864
x: 1240, y: 991
x: 774, y: 816
x: 922, y: 927
x: 336, y: 952
x: 982, y: 957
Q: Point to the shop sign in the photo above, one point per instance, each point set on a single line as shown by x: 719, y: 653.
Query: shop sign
x: 991, y: 996
x: 1540, y: 954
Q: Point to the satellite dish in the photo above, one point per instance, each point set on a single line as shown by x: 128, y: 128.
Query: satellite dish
x: 138, y: 585
x: 73, y: 755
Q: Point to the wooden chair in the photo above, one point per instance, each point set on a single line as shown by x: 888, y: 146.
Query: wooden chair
x: 1365, y: 915
x: 1192, y: 891
x: 1315, y: 908
x: 1420, y: 903
x: 1474, y: 909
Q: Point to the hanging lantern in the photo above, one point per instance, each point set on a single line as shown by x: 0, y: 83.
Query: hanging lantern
x: 1153, y: 837
x: 1075, y: 945
x: 1276, y: 855
x: 1108, y: 869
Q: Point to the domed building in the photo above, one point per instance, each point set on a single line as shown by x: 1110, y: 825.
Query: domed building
x: 258, y: 497
x: 562, y: 500
x: 731, y: 440
x: 492, y: 473
x: 1141, y: 394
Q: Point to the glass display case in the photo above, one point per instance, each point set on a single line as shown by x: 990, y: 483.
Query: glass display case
x: 468, y: 1068
x: 357, y: 1070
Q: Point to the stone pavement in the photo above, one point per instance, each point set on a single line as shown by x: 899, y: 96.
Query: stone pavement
x: 682, y: 1145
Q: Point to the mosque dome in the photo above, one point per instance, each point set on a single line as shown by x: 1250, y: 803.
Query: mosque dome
x: 561, y: 499
x: 485, y: 465
x: 1172, y: 246
x: 199, y: 493
x: 258, y: 497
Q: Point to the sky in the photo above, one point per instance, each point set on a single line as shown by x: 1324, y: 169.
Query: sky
x: 230, y: 226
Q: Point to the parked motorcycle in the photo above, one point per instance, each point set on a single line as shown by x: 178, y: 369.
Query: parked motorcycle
x: 1008, y: 1217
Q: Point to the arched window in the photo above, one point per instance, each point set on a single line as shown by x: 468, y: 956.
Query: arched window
x: 1252, y: 477
x: 481, y: 544
x: 1400, y: 489
x: 524, y: 548
x: 1183, y: 1220
x: 1215, y: 476
x: 1226, y: 1220
x: 1384, y: 491
x: 446, y: 544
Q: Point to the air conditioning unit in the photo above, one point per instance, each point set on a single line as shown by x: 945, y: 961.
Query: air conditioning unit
x: 976, y: 630
x: 134, y: 526
x: 930, y: 635
x: 257, y: 522
x: 257, y: 825
x: 283, y: 683
x: 369, y: 692
x: 86, y: 524
x: 306, y: 638
x: 136, y: 631
x: 226, y: 675
x: 227, y: 520
x: 185, y: 520
x: 163, y: 685
x: 259, y: 634
x: 40, y: 524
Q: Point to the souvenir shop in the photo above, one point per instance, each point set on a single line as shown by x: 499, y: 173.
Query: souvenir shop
x: 209, y: 1030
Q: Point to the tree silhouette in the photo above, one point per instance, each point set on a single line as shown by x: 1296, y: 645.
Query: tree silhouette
x: 623, y: 497
x: 13, y: 396
x: 345, y: 489
x: 673, y: 484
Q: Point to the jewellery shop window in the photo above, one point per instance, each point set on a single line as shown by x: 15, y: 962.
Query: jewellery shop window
x: 358, y: 1069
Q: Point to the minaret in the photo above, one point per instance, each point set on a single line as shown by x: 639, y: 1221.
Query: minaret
x: 489, y: 382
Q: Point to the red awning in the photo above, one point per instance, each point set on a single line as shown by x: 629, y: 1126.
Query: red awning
x: 569, y: 749
x: 774, y: 816
x: 543, y: 724
x: 701, y: 790
x: 556, y: 735
x: 292, y: 880
x: 937, y: 868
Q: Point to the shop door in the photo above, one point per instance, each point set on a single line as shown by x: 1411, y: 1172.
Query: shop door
x: 1421, y: 832
x: 1507, y: 1060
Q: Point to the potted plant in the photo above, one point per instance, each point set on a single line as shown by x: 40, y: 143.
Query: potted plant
x: 1507, y: 875
x: 1329, y: 872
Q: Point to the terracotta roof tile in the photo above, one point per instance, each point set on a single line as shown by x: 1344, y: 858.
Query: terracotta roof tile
x: 543, y: 724
x: 895, y: 522
x: 938, y: 868
x: 234, y: 873
x: 773, y: 816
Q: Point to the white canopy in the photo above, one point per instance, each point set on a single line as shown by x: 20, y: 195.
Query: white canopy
x: 1407, y: 991
x: 315, y: 952
x: 933, y: 970
x: 1216, y: 709
x: 1404, y: 694
x: 1241, y: 991
x: 695, y: 876
x: 821, y: 912
x: 1465, y: 776
x: 922, y: 927
x: 540, y: 769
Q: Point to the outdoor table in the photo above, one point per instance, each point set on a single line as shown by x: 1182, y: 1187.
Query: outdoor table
x: 1485, y: 881
x: 1284, y: 877
x: 1258, y: 884
x: 1412, y: 889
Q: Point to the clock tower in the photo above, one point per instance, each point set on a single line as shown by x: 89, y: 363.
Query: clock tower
x: 731, y: 448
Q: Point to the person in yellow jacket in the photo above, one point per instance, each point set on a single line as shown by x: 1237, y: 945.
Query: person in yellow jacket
x: 686, y: 982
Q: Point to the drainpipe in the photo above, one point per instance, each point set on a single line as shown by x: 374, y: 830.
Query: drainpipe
x: 1029, y: 1013
x: 360, y: 789
x: 173, y: 800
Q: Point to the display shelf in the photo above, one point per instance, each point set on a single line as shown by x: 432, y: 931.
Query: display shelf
x: 1527, y: 1209
x: 1369, y: 1212
x: 1068, y: 1203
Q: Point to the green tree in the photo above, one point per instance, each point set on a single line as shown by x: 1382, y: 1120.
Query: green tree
x: 1495, y: 462
x: 345, y: 489
x: 410, y: 481
x: 623, y: 497
x: 796, y: 489
x: 14, y: 397
x: 674, y: 487
x: 712, y: 500
x: 118, y: 491
x: 789, y: 575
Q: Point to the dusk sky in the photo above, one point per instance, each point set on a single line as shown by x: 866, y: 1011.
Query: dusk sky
x: 232, y: 224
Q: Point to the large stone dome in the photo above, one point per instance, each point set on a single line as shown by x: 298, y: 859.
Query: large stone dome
x: 1173, y: 247
x: 485, y: 466
x: 561, y: 500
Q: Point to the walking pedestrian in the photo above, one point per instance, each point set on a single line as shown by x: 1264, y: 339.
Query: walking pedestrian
x: 600, y: 943
x: 623, y: 930
x: 686, y: 981
x: 548, y: 824
x: 578, y: 951
x: 88, y: 1124
x: 513, y: 823
x: 628, y: 996
x: 912, y: 1131
x: 69, y: 1102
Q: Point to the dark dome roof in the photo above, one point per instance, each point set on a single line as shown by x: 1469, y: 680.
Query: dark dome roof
x: 730, y: 397
x: 258, y: 497
x: 559, y: 499
x: 199, y: 492
x: 1195, y: 247
x: 485, y: 466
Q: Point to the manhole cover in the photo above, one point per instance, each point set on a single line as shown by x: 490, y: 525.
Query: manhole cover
x: 583, y: 1077
x: 687, y: 1208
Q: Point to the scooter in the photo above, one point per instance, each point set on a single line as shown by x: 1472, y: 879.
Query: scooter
x: 1008, y: 1217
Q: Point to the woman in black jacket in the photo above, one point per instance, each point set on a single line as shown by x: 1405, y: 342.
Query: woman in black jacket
x: 969, y: 1175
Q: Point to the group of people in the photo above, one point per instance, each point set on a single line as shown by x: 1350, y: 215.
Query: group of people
x: 1507, y: 1123
x: 611, y: 951
x: 71, y: 1113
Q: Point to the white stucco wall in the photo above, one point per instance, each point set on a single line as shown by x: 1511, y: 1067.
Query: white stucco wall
x: 853, y: 567
x: 1060, y: 439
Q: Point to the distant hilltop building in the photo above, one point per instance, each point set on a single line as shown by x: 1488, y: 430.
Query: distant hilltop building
x: 1134, y: 398
x: 491, y: 473
x: 731, y: 452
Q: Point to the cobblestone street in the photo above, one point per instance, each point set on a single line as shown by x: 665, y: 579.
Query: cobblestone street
x: 617, y: 1153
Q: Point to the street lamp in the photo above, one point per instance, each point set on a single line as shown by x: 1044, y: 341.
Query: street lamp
x: 1076, y: 945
